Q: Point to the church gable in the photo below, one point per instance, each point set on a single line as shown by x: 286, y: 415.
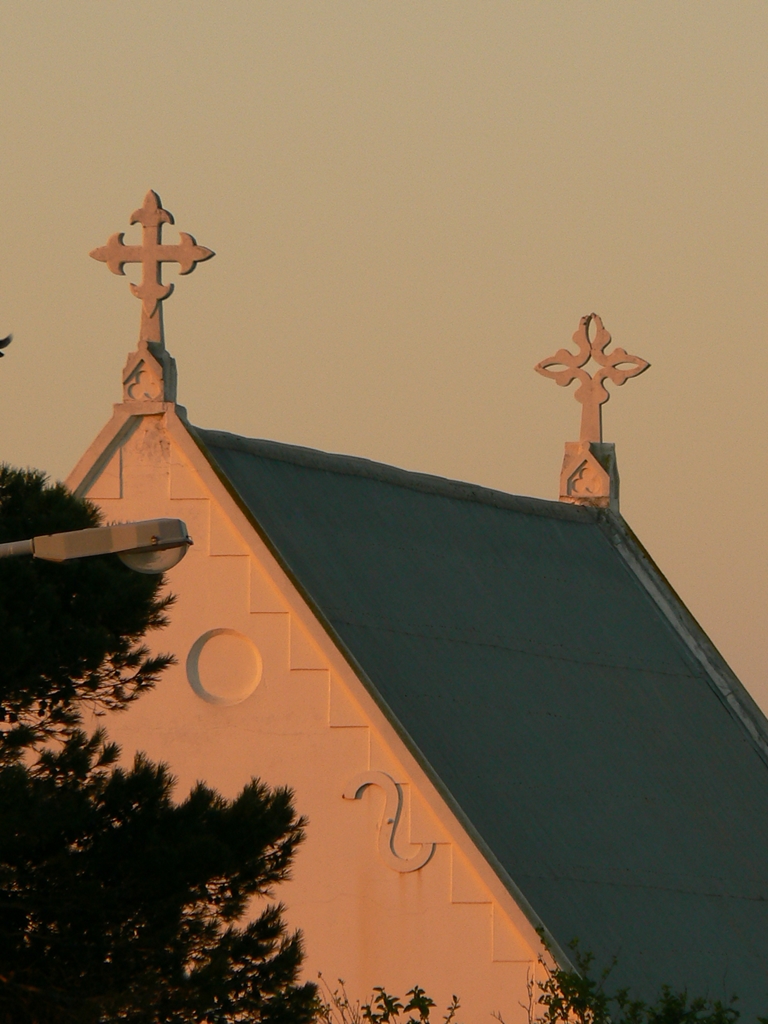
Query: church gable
x: 261, y: 689
x: 493, y: 710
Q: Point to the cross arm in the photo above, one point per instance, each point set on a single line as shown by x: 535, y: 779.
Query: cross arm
x: 116, y: 254
x: 187, y: 253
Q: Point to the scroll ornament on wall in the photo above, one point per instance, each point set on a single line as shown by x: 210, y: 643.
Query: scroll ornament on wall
x: 390, y: 820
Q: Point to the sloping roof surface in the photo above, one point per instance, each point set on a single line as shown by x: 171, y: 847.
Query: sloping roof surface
x: 550, y: 695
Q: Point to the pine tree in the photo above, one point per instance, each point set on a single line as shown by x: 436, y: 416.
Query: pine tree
x: 71, y: 632
x: 116, y: 902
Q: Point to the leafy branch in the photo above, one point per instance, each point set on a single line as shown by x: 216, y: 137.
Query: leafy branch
x: 382, y: 1007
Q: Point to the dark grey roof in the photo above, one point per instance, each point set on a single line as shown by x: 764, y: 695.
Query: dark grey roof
x: 572, y: 712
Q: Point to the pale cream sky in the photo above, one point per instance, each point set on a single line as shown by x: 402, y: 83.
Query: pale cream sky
x: 411, y: 204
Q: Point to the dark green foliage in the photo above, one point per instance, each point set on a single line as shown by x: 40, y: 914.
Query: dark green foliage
x: 382, y: 1007
x: 117, y: 904
x: 386, y: 1009
x: 579, y: 997
x: 71, y: 632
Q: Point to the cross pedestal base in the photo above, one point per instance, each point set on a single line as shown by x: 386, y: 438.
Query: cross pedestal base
x: 590, y: 474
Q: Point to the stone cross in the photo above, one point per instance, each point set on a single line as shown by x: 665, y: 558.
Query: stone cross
x: 150, y: 374
x: 591, y: 392
x: 590, y: 475
x: 151, y: 254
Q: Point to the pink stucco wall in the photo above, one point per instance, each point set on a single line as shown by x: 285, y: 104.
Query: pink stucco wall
x: 291, y: 711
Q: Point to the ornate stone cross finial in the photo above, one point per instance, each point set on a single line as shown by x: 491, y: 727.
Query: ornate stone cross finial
x: 589, y: 474
x: 150, y: 373
x: 591, y: 392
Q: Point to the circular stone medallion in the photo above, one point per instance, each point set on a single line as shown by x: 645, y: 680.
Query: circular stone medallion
x: 223, y: 666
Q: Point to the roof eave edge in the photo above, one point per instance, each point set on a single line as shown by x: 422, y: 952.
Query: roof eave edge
x: 507, y: 881
x: 725, y: 683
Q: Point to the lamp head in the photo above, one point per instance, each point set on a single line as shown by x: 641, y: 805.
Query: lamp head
x: 152, y: 562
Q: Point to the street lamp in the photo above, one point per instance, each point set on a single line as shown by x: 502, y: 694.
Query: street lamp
x: 151, y: 546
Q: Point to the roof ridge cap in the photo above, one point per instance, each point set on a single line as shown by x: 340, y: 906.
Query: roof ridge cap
x: 356, y: 465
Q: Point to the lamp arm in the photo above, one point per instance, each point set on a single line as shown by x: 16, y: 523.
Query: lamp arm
x: 17, y: 547
x: 146, y: 537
